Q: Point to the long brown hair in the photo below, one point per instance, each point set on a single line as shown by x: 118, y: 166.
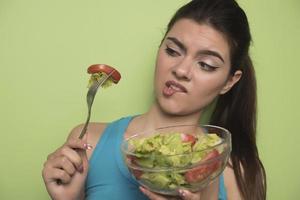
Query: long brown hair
x: 235, y: 110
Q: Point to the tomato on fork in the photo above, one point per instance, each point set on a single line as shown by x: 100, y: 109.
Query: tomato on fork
x: 103, y: 68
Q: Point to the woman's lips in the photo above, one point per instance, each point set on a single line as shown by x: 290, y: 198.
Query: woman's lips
x: 172, y: 87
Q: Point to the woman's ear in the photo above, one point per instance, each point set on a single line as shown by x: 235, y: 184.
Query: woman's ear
x: 232, y: 80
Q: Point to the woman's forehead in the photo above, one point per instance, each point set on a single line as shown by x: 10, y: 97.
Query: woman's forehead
x: 200, y: 36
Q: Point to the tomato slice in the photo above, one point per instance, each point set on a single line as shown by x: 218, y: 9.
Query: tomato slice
x: 136, y: 172
x: 203, y: 171
x: 188, y: 138
x: 98, y: 68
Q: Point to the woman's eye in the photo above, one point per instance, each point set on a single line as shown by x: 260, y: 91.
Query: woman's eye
x: 171, y: 52
x: 207, y: 67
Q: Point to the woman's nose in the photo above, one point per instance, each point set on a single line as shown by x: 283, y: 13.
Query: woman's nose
x: 183, y: 70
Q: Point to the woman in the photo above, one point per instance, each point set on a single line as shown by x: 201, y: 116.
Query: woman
x: 203, y: 58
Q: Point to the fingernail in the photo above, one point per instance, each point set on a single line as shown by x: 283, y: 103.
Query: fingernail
x: 142, y: 189
x: 80, y: 168
x: 87, y: 146
x: 182, y: 193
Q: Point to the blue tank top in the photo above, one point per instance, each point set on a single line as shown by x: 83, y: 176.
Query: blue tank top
x: 108, y: 177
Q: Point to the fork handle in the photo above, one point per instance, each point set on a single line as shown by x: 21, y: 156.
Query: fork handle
x: 84, y: 129
x: 90, y: 102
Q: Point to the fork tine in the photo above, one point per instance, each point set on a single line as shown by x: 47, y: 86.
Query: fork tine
x: 90, y: 99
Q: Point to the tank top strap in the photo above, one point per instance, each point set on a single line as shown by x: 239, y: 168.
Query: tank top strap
x: 112, y: 135
x: 222, y: 189
x: 120, y: 129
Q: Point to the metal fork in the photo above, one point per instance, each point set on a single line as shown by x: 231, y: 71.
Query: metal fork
x: 90, y: 99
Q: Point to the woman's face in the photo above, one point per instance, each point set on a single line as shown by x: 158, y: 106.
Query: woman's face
x: 192, y: 68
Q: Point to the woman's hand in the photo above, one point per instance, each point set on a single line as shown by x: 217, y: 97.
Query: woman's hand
x: 184, y: 194
x: 65, y: 170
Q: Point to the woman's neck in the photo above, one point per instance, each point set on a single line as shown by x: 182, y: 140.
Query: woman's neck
x: 155, y: 118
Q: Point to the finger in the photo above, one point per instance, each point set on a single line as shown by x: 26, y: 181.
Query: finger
x: 76, y: 143
x: 61, y: 163
x: 53, y: 175
x: 84, y: 159
x: 51, y: 156
x: 73, y: 156
x: 151, y: 195
x: 65, y: 164
x: 72, y: 143
x: 187, y: 195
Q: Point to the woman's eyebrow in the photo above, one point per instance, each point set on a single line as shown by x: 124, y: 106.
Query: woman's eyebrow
x: 210, y: 53
x: 177, y: 42
x: 201, y: 52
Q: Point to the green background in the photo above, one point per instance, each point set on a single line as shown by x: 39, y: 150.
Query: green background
x: 46, y: 46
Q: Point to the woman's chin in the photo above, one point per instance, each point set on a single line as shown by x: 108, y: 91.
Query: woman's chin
x: 176, y: 110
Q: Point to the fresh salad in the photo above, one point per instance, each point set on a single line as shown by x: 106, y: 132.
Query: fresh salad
x: 177, y: 151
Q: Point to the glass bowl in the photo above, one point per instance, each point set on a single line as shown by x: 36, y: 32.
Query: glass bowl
x: 177, y: 157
